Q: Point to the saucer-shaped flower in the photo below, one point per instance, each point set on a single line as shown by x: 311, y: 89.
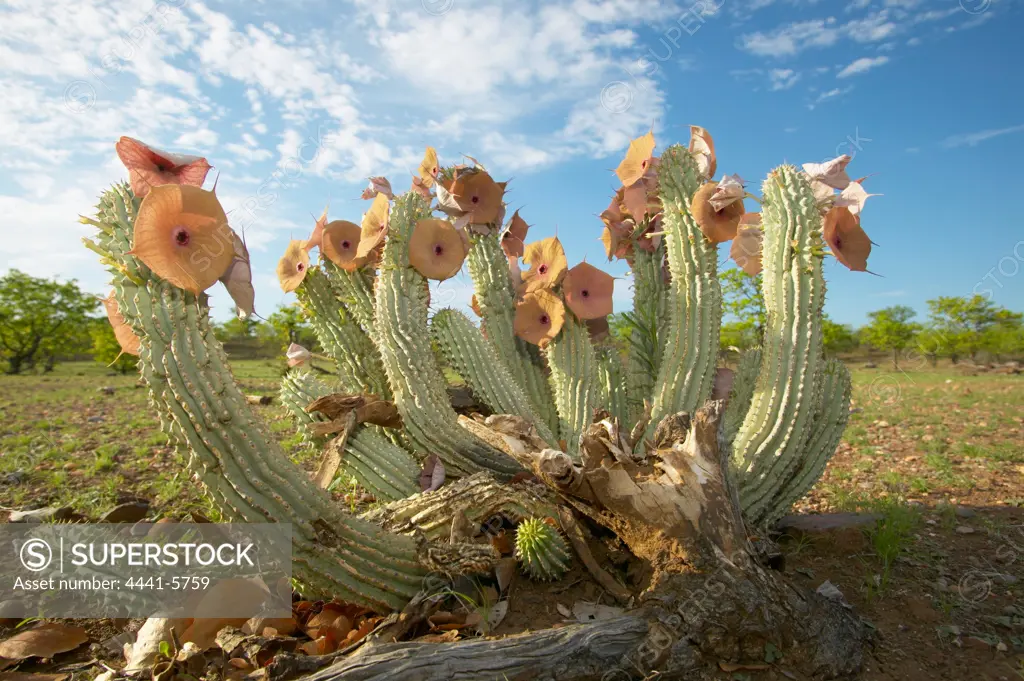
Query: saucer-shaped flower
x: 436, y: 249
x: 588, y: 291
x: 182, y: 234
x: 539, y: 317
x: 831, y: 173
x: 718, y: 226
x: 599, y: 329
x: 615, y: 238
x: 638, y: 158
x: 316, y: 236
x: 292, y: 267
x: 477, y: 195
x: 126, y: 338
x: 703, y: 148
x: 149, y: 167
x: 746, y: 246
x: 378, y: 185
x: 547, y: 262
x: 341, y: 243
x: 514, y: 237
x: 238, y: 280
x: 849, y: 242
x: 429, y: 168
x: 374, y: 226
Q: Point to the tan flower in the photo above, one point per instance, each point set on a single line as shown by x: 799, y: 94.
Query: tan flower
x: 436, y: 249
x: 238, y: 280
x: 378, y: 185
x: 717, y: 226
x: 292, y: 267
x: 539, y: 317
x: 703, y: 148
x: 746, y: 247
x: 182, y: 234
x: 599, y: 329
x: 316, y: 236
x: 477, y: 195
x: 474, y: 305
x: 854, y: 197
x: 429, y: 168
x: 832, y: 173
x: 588, y: 291
x: 126, y: 338
x: 341, y: 243
x: 149, y: 167
x: 547, y: 262
x: 638, y: 157
x: 514, y: 237
x: 374, y: 226
x: 849, y: 242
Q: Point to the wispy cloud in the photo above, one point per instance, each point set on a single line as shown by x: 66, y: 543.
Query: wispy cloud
x: 830, y: 94
x: 783, y: 79
x: 862, y: 65
x: 971, y: 139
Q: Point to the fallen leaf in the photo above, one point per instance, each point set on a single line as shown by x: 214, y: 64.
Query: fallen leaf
x: 25, y: 676
x: 44, y: 640
x: 141, y: 654
x: 563, y: 611
x: 585, y: 611
x: 505, y: 572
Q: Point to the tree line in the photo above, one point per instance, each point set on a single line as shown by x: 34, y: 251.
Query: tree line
x: 43, y: 321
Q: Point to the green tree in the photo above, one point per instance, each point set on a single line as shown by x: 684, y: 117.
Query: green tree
x: 960, y: 323
x: 891, y: 329
x: 1006, y: 336
x: 287, y: 325
x: 837, y: 337
x: 236, y: 329
x: 41, y: 319
x: 742, y: 300
x: 107, y: 351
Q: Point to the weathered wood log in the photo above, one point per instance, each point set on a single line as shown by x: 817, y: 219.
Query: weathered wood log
x: 708, y: 601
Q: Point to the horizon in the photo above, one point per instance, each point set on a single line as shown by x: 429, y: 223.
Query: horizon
x: 548, y: 95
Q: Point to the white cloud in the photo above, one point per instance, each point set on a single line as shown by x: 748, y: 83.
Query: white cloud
x: 972, y: 139
x: 791, y: 39
x: 862, y: 65
x: 830, y: 94
x: 783, y: 79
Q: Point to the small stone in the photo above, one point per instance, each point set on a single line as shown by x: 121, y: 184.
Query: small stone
x: 41, y: 515
x: 927, y: 438
x: 131, y: 512
x: 965, y: 529
x: 15, y: 478
x: 1001, y: 647
x: 941, y: 585
x: 95, y: 419
x: 964, y: 512
x: 106, y: 390
x: 882, y: 424
x: 977, y: 643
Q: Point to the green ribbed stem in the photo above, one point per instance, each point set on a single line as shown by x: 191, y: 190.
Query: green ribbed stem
x: 495, y: 297
x: 245, y: 472
x: 743, y: 385
x: 771, y: 442
x: 612, y: 384
x: 354, y: 290
x: 359, y: 365
x: 830, y: 421
x: 418, y: 386
x: 650, y: 312
x: 298, y: 388
x: 381, y: 467
x: 574, y: 381
x: 687, y: 371
x: 476, y: 360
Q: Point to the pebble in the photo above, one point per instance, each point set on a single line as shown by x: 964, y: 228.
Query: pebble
x: 964, y: 512
x: 106, y: 390
x: 95, y: 419
x: 965, y: 529
x: 15, y: 478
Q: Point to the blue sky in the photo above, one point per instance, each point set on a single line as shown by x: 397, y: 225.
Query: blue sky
x: 297, y: 107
